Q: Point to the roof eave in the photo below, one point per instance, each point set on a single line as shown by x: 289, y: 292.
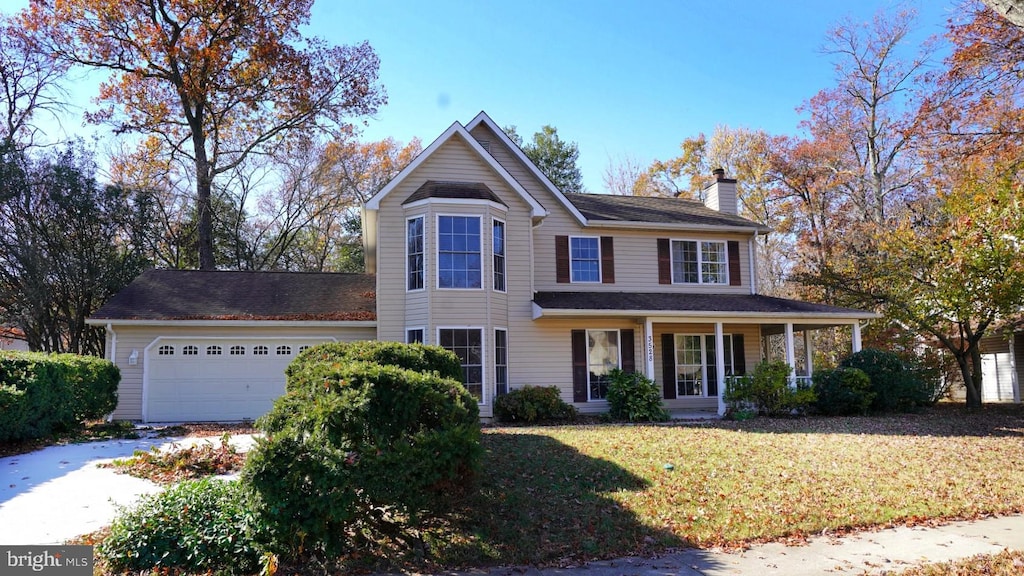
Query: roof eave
x: 706, y: 315
x: 231, y: 323
x: 630, y: 224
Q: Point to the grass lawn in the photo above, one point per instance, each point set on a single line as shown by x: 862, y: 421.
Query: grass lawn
x: 1006, y: 563
x: 550, y: 495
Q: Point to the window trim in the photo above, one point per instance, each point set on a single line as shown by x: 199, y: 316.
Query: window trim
x: 483, y: 356
x: 706, y: 361
x: 423, y: 334
x: 618, y: 362
x: 437, y: 249
x: 423, y: 254
x: 700, y: 261
x: 504, y: 256
x: 600, y: 272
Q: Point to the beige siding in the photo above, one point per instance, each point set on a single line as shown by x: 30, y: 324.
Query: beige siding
x: 137, y: 338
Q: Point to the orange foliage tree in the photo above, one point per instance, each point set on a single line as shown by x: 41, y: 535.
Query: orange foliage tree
x: 209, y: 82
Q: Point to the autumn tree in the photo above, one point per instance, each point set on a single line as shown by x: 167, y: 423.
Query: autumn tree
x: 209, y: 83
x: 555, y: 157
x: 1012, y: 10
x: 31, y: 84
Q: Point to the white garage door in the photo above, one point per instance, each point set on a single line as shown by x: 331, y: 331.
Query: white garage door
x: 213, y: 379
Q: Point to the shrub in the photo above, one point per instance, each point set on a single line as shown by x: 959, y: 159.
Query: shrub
x: 196, y: 526
x: 45, y: 393
x: 767, y: 391
x: 533, y: 404
x: 896, y: 387
x: 358, y: 447
x: 634, y: 397
x: 843, y: 391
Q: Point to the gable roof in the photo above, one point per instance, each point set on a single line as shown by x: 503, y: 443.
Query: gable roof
x: 223, y: 295
x: 658, y: 210
x: 483, y: 118
x: 675, y: 303
x: 456, y: 190
x: 453, y: 131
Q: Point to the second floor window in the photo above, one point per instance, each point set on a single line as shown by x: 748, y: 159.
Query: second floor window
x: 696, y: 262
x: 458, y: 252
x: 585, y: 259
x: 414, y: 253
x: 498, y: 233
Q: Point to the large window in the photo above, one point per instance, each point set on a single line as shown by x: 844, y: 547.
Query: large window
x: 585, y: 259
x: 696, y: 262
x: 602, y: 358
x: 414, y: 336
x: 501, y: 361
x: 414, y: 253
x: 498, y: 239
x: 458, y: 252
x: 467, y: 344
x: 696, y: 373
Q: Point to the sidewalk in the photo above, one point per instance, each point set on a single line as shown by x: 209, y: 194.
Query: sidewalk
x: 866, y: 552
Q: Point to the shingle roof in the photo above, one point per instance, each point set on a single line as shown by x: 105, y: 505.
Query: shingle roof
x: 222, y: 295
x: 457, y: 190
x: 675, y: 302
x: 655, y: 209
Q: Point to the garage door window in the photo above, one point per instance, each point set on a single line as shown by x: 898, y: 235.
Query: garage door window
x: 213, y: 351
x: 260, y: 350
x: 165, y: 350
x: 238, y: 350
x: 284, y: 350
x: 190, y: 351
x: 303, y: 349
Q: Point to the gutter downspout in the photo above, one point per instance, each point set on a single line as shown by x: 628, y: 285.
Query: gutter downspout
x: 753, y: 264
x: 111, y: 355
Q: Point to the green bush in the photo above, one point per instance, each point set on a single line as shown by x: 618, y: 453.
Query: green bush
x: 358, y: 449
x: 45, y: 393
x: 196, y: 526
x: 533, y: 404
x: 897, y: 388
x: 843, y: 391
x: 767, y: 391
x: 634, y: 397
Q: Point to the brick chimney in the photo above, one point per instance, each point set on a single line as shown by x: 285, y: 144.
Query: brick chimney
x: 721, y: 194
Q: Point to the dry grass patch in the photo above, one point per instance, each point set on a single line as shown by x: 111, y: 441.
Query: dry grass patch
x: 1006, y: 563
x: 562, y: 494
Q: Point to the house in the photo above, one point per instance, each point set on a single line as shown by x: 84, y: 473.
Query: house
x: 471, y: 247
x: 1002, y: 364
x: 12, y: 339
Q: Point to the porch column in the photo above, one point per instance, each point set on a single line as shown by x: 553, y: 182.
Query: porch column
x: 649, y: 348
x: 809, y: 351
x: 790, y: 355
x: 720, y: 367
x: 856, y: 337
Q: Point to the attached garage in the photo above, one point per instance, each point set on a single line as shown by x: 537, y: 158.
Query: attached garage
x: 216, y: 379
x: 200, y: 346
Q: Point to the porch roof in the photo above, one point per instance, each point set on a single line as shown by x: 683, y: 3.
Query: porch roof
x: 755, y: 307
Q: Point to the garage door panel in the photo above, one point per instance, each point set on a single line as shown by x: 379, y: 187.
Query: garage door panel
x: 206, y: 387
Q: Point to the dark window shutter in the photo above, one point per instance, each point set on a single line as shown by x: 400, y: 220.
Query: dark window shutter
x: 562, y: 259
x: 579, y: 366
x: 735, y: 279
x: 607, y: 260
x: 668, y: 366
x: 627, y: 349
x: 739, y: 355
x: 664, y: 262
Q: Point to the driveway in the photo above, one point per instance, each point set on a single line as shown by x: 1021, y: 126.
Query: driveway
x: 54, y: 494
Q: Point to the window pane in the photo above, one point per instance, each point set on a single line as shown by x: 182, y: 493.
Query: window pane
x: 414, y: 253
x: 585, y: 260
x: 498, y: 237
x: 602, y: 358
x: 459, y: 254
x: 713, y: 262
x: 689, y: 365
x: 501, y: 362
x: 467, y: 344
x: 684, y: 262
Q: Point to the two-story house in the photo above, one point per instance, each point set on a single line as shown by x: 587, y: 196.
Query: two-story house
x: 472, y: 248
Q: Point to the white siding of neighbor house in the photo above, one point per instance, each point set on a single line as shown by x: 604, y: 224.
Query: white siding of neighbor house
x: 129, y: 338
x: 999, y: 382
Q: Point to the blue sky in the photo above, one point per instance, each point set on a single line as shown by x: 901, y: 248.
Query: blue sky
x: 620, y: 78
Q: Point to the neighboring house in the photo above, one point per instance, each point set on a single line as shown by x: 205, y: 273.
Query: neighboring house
x: 472, y: 248
x: 12, y: 339
x: 1002, y: 366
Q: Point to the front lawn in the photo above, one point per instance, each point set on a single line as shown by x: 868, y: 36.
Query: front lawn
x: 559, y: 494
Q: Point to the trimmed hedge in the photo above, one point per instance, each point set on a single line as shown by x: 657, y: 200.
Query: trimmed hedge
x: 843, y: 391
x: 634, y: 397
x: 897, y: 388
x: 45, y: 393
x: 533, y: 404
x: 371, y: 438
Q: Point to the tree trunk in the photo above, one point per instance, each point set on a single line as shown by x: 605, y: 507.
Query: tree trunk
x: 204, y: 207
x: 975, y: 383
